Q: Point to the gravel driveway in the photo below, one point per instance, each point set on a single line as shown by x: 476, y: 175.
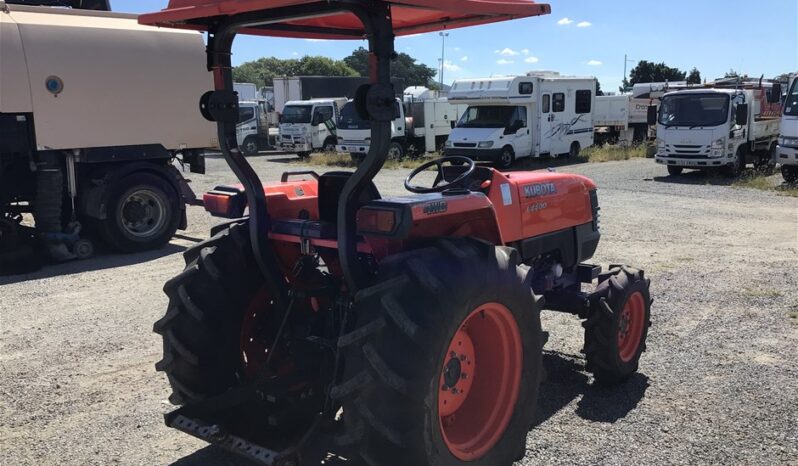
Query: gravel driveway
x: 718, y: 385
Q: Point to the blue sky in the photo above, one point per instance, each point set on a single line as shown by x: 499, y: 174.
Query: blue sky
x: 585, y: 37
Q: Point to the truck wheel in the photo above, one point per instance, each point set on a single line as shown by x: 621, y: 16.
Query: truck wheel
x: 250, y: 146
x: 789, y: 173
x: 675, y: 171
x: 443, y: 365
x: 357, y: 157
x: 396, y: 151
x: 143, y: 212
x: 616, y: 332
x: 573, y: 152
x: 766, y: 163
x: 737, y: 166
x: 203, y: 325
x: 506, y: 158
x: 303, y: 155
x: 329, y: 146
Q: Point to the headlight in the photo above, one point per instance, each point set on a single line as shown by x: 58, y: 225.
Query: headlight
x: 660, y: 144
x: 717, y: 147
x: 486, y: 144
x: 340, y: 140
x: 788, y: 142
x: 448, y: 143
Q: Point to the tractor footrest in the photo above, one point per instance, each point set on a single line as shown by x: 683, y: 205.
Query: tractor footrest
x: 586, y: 273
x: 215, y: 435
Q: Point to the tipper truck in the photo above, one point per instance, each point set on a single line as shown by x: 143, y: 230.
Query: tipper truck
x: 88, y: 141
x: 718, y: 127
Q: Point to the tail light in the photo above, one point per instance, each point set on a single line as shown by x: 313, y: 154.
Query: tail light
x: 377, y: 221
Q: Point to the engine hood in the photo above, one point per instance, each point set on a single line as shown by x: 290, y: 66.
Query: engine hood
x: 683, y: 136
x: 475, y: 135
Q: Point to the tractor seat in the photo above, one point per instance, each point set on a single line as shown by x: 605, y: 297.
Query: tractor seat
x: 330, y: 186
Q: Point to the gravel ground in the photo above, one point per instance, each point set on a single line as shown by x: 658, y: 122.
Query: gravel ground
x: 718, y: 384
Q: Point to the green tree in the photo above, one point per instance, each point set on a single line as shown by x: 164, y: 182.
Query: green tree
x: 694, y: 77
x: 263, y: 70
x: 403, y: 67
x: 599, y: 92
x: 650, y: 72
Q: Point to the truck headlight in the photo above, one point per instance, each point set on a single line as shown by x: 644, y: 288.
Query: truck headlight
x: 485, y: 144
x: 660, y: 145
x: 718, y: 147
x: 448, y: 144
x: 340, y: 140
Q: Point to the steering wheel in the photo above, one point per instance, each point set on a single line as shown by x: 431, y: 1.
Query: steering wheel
x: 437, y: 187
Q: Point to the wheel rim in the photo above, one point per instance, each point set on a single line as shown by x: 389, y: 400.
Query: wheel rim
x: 142, y: 213
x: 630, y: 326
x: 251, y: 147
x: 480, y: 381
x: 507, y: 158
x: 394, y: 153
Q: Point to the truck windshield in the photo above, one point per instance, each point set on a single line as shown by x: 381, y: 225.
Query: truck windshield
x: 791, y: 104
x: 297, y: 114
x: 350, y: 119
x: 694, y: 110
x: 487, y: 117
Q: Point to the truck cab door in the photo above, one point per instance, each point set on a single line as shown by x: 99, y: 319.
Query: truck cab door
x: 247, y: 123
x: 546, y: 119
x: 398, y: 127
x: 522, y: 139
x: 322, y: 125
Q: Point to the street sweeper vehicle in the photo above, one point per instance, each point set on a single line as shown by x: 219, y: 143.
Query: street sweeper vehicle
x: 409, y: 327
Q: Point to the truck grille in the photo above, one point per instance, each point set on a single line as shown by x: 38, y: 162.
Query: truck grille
x: 465, y: 144
x: 687, y: 151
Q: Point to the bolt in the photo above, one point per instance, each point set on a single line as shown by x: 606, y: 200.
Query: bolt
x: 463, y: 358
x: 455, y: 391
x: 453, y: 354
x: 464, y: 376
x: 445, y: 388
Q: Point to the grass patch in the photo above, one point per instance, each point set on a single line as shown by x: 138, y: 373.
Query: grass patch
x: 608, y: 153
x: 763, y: 182
x: 761, y: 293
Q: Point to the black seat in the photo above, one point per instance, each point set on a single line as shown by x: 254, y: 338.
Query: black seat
x: 330, y: 186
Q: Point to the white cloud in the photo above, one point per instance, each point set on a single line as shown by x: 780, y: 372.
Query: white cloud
x: 449, y: 66
x: 525, y: 51
x: 296, y: 54
x: 409, y: 36
x: 531, y: 59
x: 465, y: 58
x: 504, y: 62
x: 595, y: 63
x: 584, y: 24
x: 565, y: 21
x: 507, y: 52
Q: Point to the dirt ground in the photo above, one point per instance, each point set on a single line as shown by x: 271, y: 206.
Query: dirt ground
x: 718, y: 385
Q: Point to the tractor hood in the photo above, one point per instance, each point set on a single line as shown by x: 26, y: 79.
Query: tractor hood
x: 304, y: 19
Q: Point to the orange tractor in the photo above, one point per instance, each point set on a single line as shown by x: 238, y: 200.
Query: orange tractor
x: 407, y: 328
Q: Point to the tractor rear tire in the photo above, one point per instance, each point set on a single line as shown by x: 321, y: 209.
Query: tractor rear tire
x: 402, y: 365
x: 616, y: 332
x: 202, y: 326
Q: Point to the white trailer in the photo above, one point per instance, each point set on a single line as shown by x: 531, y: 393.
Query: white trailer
x: 522, y: 116
x: 309, y: 125
x: 247, y: 92
x: 78, y: 116
x: 787, y: 152
x: 718, y: 127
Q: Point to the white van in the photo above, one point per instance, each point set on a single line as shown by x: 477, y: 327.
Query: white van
x: 524, y: 116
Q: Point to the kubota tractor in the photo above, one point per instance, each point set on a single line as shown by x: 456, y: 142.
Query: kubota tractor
x: 407, y: 328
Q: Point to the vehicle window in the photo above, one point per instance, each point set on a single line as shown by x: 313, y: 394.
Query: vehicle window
x: 297, y: 113
x: 350, y: 119
x: 525, y: 88
x: 245, y: 114
x: 488, y: 116
x: 397, y: 112
x: 791, y: 104
x: 520, y: 115
x: 558, y: 104
x: 584, y: 100
x: 546, y: 104
x: 324, y: 114
x: 694, y: 109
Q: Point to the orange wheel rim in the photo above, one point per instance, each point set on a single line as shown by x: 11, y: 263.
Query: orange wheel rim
x: 480, y: 381
x: 630, y: 326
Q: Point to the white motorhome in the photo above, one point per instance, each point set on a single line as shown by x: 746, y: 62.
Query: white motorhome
x: 524, y: 116
x: 309, y: 125
x: 787, y: 152
x: 422, y: 124
x: 718, y: 127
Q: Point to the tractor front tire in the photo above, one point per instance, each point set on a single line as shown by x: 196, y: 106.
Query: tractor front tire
x: 616, y: 331
x: 443, y: 364
x: 202, y: 327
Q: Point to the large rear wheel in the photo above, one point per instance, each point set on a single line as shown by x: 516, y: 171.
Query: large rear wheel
x: 443, y: 365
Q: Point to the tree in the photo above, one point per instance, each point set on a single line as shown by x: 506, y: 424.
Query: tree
x: 599, y: 92
x: 694, y: 77
x: 263, y: 71
x: 403, y: 67
x: 650, y: 72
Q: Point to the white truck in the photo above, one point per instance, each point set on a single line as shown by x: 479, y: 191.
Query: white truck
x: 86, y: 138
x: 309, y: 125
x: 523, y: 116
x: 787, y: 152
x: 422, y: 123
x: 717, y: 128
x: 254, y: 131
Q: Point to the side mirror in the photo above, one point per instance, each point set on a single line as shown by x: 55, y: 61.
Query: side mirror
x: 652, y: 115
x: 741, y: 117
x: 775, y: 94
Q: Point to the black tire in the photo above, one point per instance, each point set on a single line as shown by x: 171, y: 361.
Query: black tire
x: 142, y: 213
x: 397, y: 350
x: 574, y: 150
x: 602, y: 351
x: 329, y: 146
x: 357, y: 157
x: 766, y: 162
x: 506, y: 158
x: 202, y: 325
x: 250, y: 146
x: 396, y: 151
x: 303, y: 155
x: 737, y: 167
x: 675, y: 171
x: 789, y: 173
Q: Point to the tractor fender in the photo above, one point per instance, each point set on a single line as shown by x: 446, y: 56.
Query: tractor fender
x: 94, y: 197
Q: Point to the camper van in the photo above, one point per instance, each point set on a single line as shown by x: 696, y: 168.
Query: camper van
x: 524, y: 116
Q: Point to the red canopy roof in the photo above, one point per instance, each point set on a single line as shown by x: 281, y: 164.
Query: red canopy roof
x: 409, y: 16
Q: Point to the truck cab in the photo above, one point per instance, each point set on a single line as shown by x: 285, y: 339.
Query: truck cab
x: 309, y: 125
x: 354, y: 132
x: 787, y: 151
x: 715, y: 128
x: 252, y: 131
